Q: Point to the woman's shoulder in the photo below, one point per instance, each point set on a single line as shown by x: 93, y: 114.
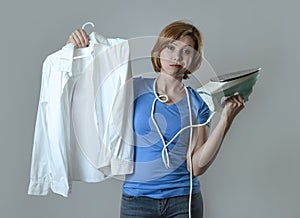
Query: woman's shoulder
x: 195, y: 96
x: 193, y: 92
x: 142, y: 83
x: 143, y: 79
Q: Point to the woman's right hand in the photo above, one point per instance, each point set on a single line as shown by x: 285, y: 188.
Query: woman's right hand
x: 79, y: 38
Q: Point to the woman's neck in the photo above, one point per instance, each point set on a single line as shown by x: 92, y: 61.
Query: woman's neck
x: 170, y: 86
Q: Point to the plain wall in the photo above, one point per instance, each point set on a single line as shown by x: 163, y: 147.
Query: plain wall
x: 256, y: 172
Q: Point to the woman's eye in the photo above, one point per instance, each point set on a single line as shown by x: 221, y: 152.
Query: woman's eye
x: 170, y: 47
x: 187, y: 51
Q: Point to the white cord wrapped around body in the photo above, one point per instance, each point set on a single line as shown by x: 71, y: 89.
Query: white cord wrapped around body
x: 165, y: 153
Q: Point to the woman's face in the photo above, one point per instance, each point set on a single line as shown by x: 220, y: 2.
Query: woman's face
x: 177, y: 56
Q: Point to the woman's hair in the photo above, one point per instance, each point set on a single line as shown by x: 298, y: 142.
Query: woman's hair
x: 175, y: 31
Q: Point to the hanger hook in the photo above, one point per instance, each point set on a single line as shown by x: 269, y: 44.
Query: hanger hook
x: 88, y: 23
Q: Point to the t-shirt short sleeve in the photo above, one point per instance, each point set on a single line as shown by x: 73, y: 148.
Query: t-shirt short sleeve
x: 201, y: 107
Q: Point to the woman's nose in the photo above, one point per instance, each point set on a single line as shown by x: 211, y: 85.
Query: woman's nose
x: 177, y: 56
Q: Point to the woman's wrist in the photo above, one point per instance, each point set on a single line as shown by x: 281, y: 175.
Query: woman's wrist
x: 225, y: 121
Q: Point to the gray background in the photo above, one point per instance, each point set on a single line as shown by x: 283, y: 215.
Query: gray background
x: 256, y: 173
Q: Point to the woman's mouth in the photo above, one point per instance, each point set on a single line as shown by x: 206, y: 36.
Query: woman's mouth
x: 176, y: 65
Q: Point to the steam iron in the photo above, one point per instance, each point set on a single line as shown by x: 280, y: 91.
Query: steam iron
x: 215, y: 92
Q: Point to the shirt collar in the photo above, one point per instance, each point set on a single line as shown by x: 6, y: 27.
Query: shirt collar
x: 96, y: 38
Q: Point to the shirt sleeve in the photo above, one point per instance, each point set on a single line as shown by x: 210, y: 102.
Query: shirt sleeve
x: 50, y: 162
x: 201, y: 107
x: 203, y: 113
x: 40, y: 169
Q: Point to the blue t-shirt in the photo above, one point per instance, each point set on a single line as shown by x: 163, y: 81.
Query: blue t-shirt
x: 151, y: 178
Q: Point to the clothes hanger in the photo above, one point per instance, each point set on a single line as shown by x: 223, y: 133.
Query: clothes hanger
x: 95, y: 38
x: 87, y: 23
x: 83, y: 26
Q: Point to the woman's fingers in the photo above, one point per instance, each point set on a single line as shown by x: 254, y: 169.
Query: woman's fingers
x: 79, y: 38
x: 240, y: 99
x: 233, y: 106
x: 83, y: 37
x: 237, y: 99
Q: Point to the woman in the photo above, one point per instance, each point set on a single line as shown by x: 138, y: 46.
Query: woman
x: 160, y: 184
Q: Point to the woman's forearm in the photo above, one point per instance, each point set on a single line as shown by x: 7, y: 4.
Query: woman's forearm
x: 204, y: 155
x: 205, y: 152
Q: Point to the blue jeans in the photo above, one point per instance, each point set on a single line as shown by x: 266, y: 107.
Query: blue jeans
x: 175, y: 207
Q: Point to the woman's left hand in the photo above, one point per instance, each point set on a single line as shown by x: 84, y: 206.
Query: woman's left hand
x: 233, y: 105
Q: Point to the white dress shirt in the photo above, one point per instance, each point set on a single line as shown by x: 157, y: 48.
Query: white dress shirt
x: 84, y: 93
